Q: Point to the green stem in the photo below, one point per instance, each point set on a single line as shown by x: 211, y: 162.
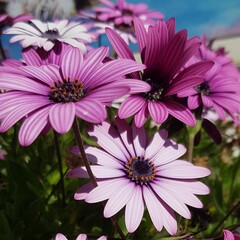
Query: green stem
x: 225, y: 217
x: 190, y: 148
x: 56, y: 142
x: 82, y: 152
x: 177, y: 238
x: 89, y: 170
x: 192, y: 131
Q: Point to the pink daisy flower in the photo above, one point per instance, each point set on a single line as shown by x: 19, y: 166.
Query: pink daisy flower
x: 81, y: 236
x: 221, y: 87
x: 164, y: 52
x: 123, y: 13
x: 133, y: 171
x: 120, y: 15
x: 36, y: 57
x: 80, y: 86
x: 39, y: 34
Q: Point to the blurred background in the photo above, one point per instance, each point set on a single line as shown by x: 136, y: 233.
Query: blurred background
x: 218, y: 20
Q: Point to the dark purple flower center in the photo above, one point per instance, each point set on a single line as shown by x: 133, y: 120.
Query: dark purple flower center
x: 127, y: 12
x: 203, y: 88
x: 156, y: 92
x: 52, y: 34
x: 140, y: 170
x: 66, y: 91
x: 128, y: 28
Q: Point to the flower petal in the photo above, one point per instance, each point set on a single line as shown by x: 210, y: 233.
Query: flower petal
x: 160, y: 214
x: 109, y: 92
x: 72, y: 63
x: 61, y: 116
x: 119, y: 199
x: 183, y: 170
x: 60, y: 236
x: 22, y: 83
x: 131, y: 106
x: 83, y: 191
x: 105, y: 190
x: 126, y: 135
x: 139, y: 140
x: 141, y: 116
x: 32, y: 126
x: 108, y: 138
x: 155, y: 144
x: 180, y: 112
x: 169, y: 152
x: 134, y: 210
x: 90, y: 110
x: 158, y: 112
x: 175, y: 203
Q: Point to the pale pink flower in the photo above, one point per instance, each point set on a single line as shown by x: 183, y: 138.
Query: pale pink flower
x: 81, y: 236
x: 134, y: 171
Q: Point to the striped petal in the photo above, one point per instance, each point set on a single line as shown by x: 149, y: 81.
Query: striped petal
x: 61, y: 116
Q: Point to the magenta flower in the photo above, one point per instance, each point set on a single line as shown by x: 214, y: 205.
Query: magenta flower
x: 230, y: 236
x: 133, y: 171
x: 120, y: 15
x: 123, y: 13
x: 221, y: 87
x: 47, y: 34
x: 80, y: 86
x: 38, y: 57
x: 227, y: 235
x: 5, y: 19
x: 164, y: 52
x: 81, y: 236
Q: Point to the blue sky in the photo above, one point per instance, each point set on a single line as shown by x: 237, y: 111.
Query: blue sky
x: 198, y: 17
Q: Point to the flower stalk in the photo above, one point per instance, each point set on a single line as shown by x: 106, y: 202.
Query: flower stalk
x: 56, y: 143
x: 79, y: 142
x: 192, y: 131
x: 82, y: 152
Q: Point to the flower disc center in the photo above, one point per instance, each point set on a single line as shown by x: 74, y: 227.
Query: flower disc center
x: 51, y: 34
x: 127, y: 12
x: 203, y: 88
x: 66, y: 91
x: 140, y: 170
x: 156, y: 92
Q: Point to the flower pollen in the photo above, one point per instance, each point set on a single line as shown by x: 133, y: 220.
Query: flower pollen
x: 127, y: 12
x: 140, y: 170
x: 66, y: 91
x: 51, y: 34
x: 128, y: 28
x: 156, y: 92
x: 203, y: 88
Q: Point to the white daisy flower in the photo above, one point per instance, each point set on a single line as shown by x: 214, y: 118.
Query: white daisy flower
x: 39, y: 34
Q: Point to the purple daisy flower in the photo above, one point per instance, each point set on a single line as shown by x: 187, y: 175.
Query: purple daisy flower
x: 81, y: 236
x: 120, y: 15
x: 123, y: 13
x: 80, y: 86
x: 164, y: 52
x: 133, y: 171
x: 221, y: 87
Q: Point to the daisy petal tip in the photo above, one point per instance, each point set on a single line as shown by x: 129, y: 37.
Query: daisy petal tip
x: 60, y: 236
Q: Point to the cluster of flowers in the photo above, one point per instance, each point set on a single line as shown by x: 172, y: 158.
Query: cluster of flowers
x: 180, y: 78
